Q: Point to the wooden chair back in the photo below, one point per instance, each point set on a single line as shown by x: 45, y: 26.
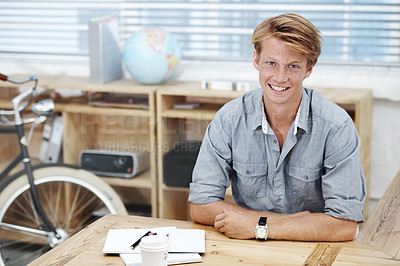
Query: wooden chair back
x: 382, y: 229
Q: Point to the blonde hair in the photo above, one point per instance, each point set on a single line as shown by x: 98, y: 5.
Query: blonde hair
x: 293, y: 30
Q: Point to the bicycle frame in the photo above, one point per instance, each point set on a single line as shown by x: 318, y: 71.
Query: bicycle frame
x: 23, y: 156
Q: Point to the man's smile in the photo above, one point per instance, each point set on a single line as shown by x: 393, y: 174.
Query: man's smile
x: 277, y: 88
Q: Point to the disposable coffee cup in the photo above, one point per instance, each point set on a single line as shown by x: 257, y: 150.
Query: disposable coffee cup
x: 154, y: 250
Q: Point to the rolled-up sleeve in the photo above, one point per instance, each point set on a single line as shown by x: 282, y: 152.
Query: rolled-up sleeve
x: 214, y: 164
x: 343, y: 181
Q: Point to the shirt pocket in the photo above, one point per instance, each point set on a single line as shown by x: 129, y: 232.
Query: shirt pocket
x: 305, y: 183
x: 251, y: 179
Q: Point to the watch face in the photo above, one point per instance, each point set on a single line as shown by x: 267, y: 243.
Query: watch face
x: 261, y: 232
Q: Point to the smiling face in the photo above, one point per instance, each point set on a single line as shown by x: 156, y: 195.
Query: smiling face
x: 281, y: 73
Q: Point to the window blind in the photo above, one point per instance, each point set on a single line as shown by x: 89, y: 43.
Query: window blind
x: 354, y: 31
x: 50, y: 28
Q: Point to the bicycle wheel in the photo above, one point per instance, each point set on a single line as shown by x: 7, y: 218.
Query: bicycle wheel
x: 71, y: 198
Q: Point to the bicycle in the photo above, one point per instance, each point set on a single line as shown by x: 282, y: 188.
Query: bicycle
x: 42, y: 205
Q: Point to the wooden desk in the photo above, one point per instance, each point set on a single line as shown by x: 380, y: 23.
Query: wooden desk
x: 85, y: 248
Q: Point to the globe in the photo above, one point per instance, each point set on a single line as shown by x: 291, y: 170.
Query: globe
x: 151, y: 55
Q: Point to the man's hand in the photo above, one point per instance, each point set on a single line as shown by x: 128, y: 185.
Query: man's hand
x: 238, y: 225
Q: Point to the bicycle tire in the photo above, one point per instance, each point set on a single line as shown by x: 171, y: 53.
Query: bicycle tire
x: 71, y: 198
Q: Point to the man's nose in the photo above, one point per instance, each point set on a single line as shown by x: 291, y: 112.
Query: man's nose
x: 281, y: 75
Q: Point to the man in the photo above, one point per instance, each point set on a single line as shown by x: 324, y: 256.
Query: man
x: 290, y: 155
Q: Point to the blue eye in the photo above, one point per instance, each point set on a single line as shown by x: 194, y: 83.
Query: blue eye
x: 271, y: 63
x: 293, y: 66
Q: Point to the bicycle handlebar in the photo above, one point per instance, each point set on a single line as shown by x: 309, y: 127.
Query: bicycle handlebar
x: 19, y: 81
x: 19, y: 98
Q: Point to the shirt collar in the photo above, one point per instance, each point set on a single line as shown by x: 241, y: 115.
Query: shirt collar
x: 301, y: 115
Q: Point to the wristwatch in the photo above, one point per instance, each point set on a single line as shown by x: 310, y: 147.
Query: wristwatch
x: 261, y: 230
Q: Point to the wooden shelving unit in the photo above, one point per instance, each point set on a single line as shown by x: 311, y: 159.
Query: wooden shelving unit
x: 111, y: 129
x: 131, y: 130
x: 177, y: 125
x: 114, y: 129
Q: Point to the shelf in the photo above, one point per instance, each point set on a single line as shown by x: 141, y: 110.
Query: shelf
x: 204, y: 112
x: 193, y: 89
x: 7, y: 105
x: 141, y: 181
x: 177, y: 189
x: 84, y: 84
x: 94, y: 110
x: 345, y: 96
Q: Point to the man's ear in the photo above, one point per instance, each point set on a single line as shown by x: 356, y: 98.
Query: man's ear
x: 255, y: 59
x: 309, y: 71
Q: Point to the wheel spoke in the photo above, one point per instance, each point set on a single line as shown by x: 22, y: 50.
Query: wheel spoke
x: 10, y: 243
x: 71, y: 211
x: 18, y: 219
x: 35, y: 214
x: 87, y: 204
x: 83, y: 221
x: 69, y: 200
x: 58, y: 200
x: 25, y: 253
x: 22, y: 210
x: 48, y: 201
x: 79, y: 226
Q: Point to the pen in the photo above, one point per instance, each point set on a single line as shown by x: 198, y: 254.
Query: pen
x: 149, y: 233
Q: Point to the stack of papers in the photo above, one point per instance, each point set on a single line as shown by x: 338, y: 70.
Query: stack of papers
x: 185, y: 244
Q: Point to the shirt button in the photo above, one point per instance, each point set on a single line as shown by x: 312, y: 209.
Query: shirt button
x: 278, y: 199
x: 305, y: 177
x: 277, y: 170
x: 275, y: 141
x: 247, y: 171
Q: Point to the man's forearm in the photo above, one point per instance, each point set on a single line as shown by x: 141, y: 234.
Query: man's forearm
x: 206, y: 213
x: 311, y: 227
x: 238, y: 222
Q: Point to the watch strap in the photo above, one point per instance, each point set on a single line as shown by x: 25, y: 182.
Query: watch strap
x: 262, y: 221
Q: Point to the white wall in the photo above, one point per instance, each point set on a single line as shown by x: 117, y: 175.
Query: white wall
x: 385, y: 83
x: 385, y: 144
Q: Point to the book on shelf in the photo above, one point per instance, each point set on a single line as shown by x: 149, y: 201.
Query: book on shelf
x: 186, y: 105
x: 119, y: 100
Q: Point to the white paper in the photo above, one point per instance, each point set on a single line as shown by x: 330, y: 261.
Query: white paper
x: 180, y: 240
x: 120, y: 240
x: 173, y: 258
x: 187, y: 240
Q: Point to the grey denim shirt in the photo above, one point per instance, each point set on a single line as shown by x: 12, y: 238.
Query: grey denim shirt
x: 317, y: 170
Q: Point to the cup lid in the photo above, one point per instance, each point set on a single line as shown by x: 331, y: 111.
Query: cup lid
x: 154, y: 242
